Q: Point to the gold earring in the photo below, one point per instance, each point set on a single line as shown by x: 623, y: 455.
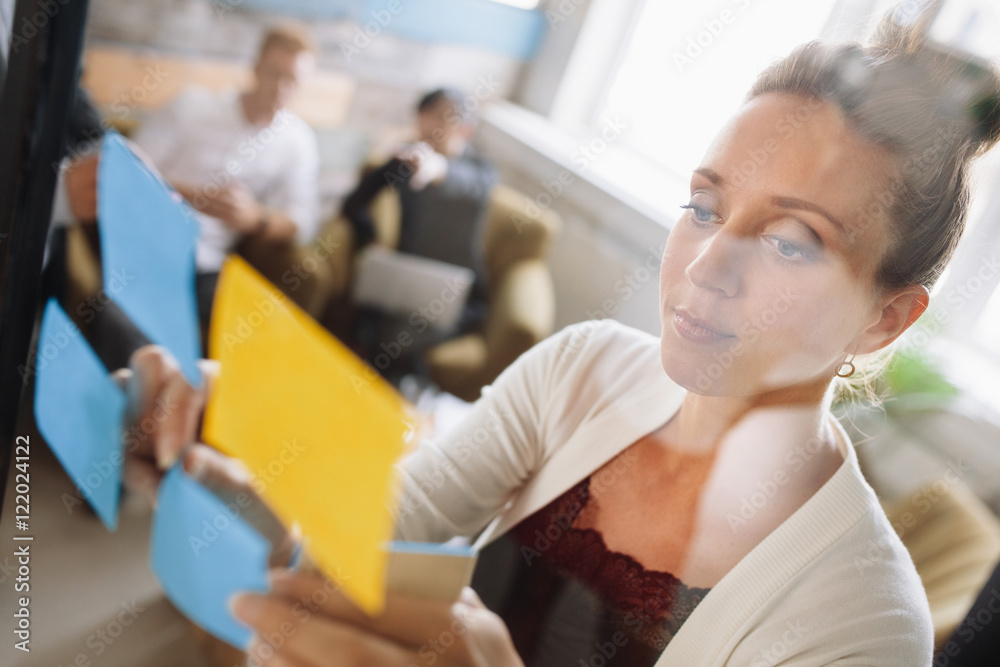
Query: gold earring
x: 848, y: 362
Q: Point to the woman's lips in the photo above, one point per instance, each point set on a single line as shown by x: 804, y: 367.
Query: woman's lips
x: 695, y: 330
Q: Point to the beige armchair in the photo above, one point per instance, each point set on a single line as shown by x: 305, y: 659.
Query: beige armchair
x: 317, y: 277
x: 521, y: 301
x: 311, y: 275
x: 522, y: 298
x: 954, y: 540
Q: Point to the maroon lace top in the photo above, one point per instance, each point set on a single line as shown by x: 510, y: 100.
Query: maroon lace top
x: 621, y: 611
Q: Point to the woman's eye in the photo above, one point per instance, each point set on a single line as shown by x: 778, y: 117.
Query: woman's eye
x: 789, y: 250
x: 700, y: 214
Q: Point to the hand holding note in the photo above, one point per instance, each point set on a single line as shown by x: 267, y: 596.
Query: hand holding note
x: 162, y: 414
x: 334, y: 631
x: 161, y: 427
x: 321, y: 429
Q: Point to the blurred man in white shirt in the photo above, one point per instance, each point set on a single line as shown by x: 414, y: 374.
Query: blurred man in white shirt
x: 245, y: 163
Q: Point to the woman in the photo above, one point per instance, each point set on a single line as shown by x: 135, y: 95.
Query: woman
x: 695, y: 487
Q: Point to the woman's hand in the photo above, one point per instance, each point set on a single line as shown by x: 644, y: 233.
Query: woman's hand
x: 80, y: 180
x: 162, y: 416
x: 162, y: 420
x: 306, y: 622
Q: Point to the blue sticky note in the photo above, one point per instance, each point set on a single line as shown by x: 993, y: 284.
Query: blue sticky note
x: 203, y: 553
x: 147, y: 252
x: 79, y: 410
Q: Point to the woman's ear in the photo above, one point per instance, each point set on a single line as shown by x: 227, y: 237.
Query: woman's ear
x: 900, y: 310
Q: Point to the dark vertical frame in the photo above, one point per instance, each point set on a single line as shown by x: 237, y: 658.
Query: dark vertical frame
x: 37, y: 94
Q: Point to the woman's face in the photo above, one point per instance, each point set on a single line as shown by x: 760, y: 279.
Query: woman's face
x: 767, y: 278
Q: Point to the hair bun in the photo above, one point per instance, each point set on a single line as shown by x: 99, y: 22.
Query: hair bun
x: 968, y: 86
x: 930, y: 108
x: 986, y: 112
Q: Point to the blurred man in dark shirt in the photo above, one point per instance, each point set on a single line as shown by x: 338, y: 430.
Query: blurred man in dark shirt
x: 443, y: 186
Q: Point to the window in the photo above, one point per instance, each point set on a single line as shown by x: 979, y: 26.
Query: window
x: 520, y: 4
x: 989, y: 324
x: 686, y: 67
x: 689, y: 65
x: 970, y: 25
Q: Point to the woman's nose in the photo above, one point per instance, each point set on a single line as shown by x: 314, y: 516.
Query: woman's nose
x: 717, y: 266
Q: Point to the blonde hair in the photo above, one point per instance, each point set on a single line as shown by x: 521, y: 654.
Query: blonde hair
x: 934, y: 113
x: 291, y: 36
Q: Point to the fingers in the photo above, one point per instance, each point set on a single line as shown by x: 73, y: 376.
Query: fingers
x: 292, y: 630
x: 282, y: 548
x: 487, y: 641
x: 161, y: 403
x: 141, y: 476
x: 121, y: 377
x: 224, y: 476
x: 229, y: 480
x: 320, y: 592
x: 149, y: 369
x: 471, y: 598
x: 305, y: 617
x: 210, y: 369
x: 262, y: 654
x: 407, y: 620
x: 181, y: 406
x: 167, y: 410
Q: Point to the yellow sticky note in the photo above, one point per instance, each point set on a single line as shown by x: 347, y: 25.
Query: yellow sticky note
x: 316, y: 426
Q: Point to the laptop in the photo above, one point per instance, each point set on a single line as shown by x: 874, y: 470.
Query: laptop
x: 405, y: 284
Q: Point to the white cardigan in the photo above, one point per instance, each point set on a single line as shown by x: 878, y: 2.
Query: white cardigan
x: 833, y: 584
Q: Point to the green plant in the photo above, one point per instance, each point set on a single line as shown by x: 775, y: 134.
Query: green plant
x: 912, y: 373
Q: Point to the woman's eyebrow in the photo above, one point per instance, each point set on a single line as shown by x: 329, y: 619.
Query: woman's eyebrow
x: 781, y: 202
x: 710, y: 175
x: 801, y: 204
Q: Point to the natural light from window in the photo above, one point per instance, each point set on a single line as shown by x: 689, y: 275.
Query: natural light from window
x: 988, y: 325
x: 970, y: 25
x: 689, y: 66
x: 522, y: 4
